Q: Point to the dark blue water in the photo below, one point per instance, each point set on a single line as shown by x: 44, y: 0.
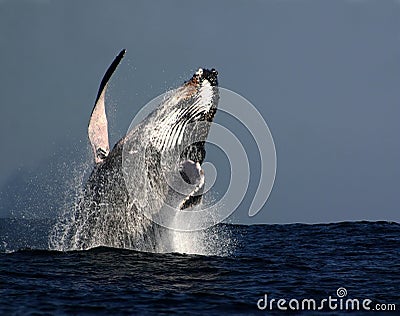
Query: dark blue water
x: 283, y: 261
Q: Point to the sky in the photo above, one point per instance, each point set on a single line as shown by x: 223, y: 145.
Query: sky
x: 324, y: 75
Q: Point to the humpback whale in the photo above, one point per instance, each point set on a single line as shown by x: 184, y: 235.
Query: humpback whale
x: 131, y: 184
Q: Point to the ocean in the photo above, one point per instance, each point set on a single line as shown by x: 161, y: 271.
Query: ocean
x: 349, y: 263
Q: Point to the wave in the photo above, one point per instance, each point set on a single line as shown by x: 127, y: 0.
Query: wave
x: 31, y: 235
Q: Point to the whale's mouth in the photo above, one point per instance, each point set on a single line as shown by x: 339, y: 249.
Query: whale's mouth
x: 206, y: 100
x: 182, y: 124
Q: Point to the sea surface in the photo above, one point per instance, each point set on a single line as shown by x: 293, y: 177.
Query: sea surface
x: 290, y: 262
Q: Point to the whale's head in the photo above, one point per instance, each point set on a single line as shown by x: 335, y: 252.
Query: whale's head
x: 183, y: 119
x: 162, y: 155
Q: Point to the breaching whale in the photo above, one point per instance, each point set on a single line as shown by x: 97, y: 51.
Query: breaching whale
x: 130, y: 184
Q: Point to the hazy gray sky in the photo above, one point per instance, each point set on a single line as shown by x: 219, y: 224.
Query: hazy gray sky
x: 324, y: 74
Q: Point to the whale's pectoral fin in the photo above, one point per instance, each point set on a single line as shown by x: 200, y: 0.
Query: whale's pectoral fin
x: 98, y: 129
x: 192, y: 173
